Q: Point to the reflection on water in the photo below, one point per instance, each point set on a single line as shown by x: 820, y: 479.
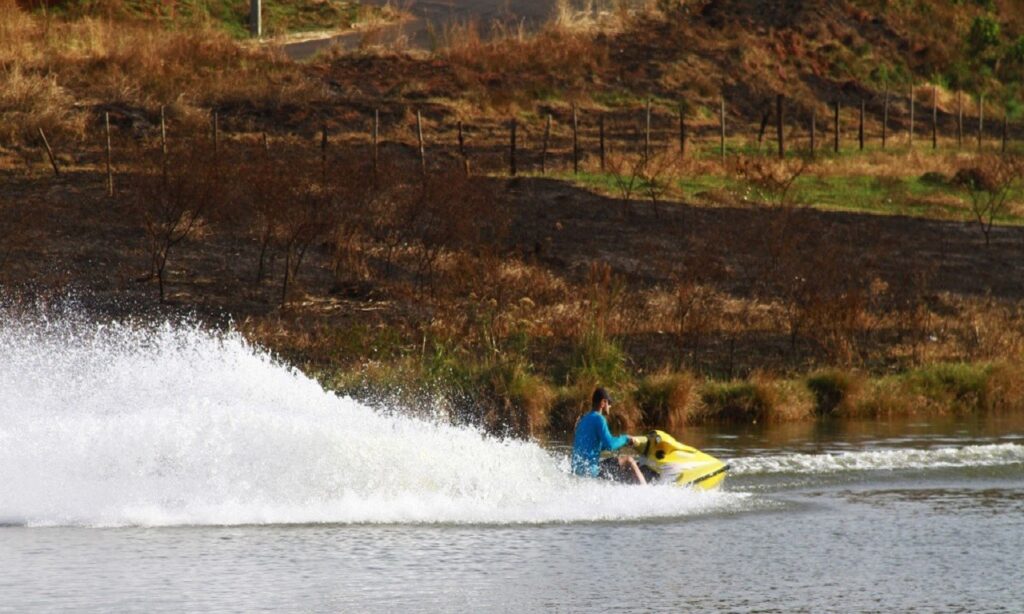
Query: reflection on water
x: 827, y: 435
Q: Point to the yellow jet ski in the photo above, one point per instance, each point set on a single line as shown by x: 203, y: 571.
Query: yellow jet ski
x: 663, y: 460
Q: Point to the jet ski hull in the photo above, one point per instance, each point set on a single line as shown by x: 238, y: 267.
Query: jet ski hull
x: 679, y: 464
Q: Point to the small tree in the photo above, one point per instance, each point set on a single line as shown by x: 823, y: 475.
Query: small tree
x: 987, y: 184
x: 308, y: 216
x: 770, y: 180
x: 627, y: 173
x: 658, y: 175
x: 264, y: 201
x: 171, y: 201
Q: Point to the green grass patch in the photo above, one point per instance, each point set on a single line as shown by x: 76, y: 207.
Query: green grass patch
x: 958, y: 386
x: 735, y: 401
x: 913, y: 196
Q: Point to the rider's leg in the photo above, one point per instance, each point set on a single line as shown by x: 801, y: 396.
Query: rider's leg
x: 638, y: 476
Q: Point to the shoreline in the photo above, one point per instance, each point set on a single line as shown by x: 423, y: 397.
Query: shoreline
x: 678, y: 401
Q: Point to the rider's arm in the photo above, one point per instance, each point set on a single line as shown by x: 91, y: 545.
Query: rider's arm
x: 607, y: 441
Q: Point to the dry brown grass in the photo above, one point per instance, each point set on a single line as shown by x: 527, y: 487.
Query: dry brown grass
x: 52, y: 71
x: 512, y: 68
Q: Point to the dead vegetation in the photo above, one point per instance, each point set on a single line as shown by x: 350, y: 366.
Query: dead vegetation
x: 988, y: 181
x: 54, y: 71
x: 508, y: 299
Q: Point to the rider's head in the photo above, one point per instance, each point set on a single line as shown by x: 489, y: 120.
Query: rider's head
x: 601, y: 401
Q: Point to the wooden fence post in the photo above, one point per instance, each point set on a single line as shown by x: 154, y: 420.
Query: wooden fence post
x: 575, y: 142
x: 600, y: 133
x: 110, y: 172
x: 935, y: 117
x: 255, y: 18
x: 216, y: 133
x: 981, y: 120
x: 721, y: 123
x: 911, y: 116
x: 163, y: 142
x: 682, y: 130
x: 323, y: 153
x: 419, y: 139
x: 860, y: 126
x: 814, y: 129
x: 835, y: 127
x: 1006, y: 128
x: 885, y: 117
x: 778, y: 126
x: 544, y: 151
x: 49, y: 153
x: 959, y: 118
x: 512, y: 148
x: 462, y: 151
x: 647, y: 132
x: 375, y: 136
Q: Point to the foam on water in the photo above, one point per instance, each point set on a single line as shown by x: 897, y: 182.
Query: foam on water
x: 990, y: 455
x: 117, y: 424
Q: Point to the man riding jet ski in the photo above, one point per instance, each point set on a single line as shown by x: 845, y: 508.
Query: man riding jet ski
x: 661, y: 458
x: 592, y: 437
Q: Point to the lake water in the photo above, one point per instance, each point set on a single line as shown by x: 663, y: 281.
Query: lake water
x: 164, y: 468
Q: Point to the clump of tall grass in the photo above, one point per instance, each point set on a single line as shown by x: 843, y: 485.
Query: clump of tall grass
x: 751, y: 401
x: 30, y: 101
x: 1005, y: 387
x: 598, y: 359
x: 834, y: 390
x: 941, y: 388
x: 956, y: 386
x: 524, y: 397
x: 667, y: 400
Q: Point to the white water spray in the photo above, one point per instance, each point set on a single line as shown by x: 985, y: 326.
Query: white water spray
x: 987, y: 455
x: 112, y: 425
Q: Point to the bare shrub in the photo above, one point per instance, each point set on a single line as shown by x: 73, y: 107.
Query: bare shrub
x: 988, y: 181
x: 354, y: 188
x: 658, y: 174
x: 307, y: 216
x: 263, y: 201
x: 171, y: 198
x: 822, y: 283
x: 627, y: 173
x: 452, y: 212
x: 770, y: 180
x: 696, y: 308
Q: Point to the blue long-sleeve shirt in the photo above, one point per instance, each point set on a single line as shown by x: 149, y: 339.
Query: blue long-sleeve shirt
x: 591, y: 437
